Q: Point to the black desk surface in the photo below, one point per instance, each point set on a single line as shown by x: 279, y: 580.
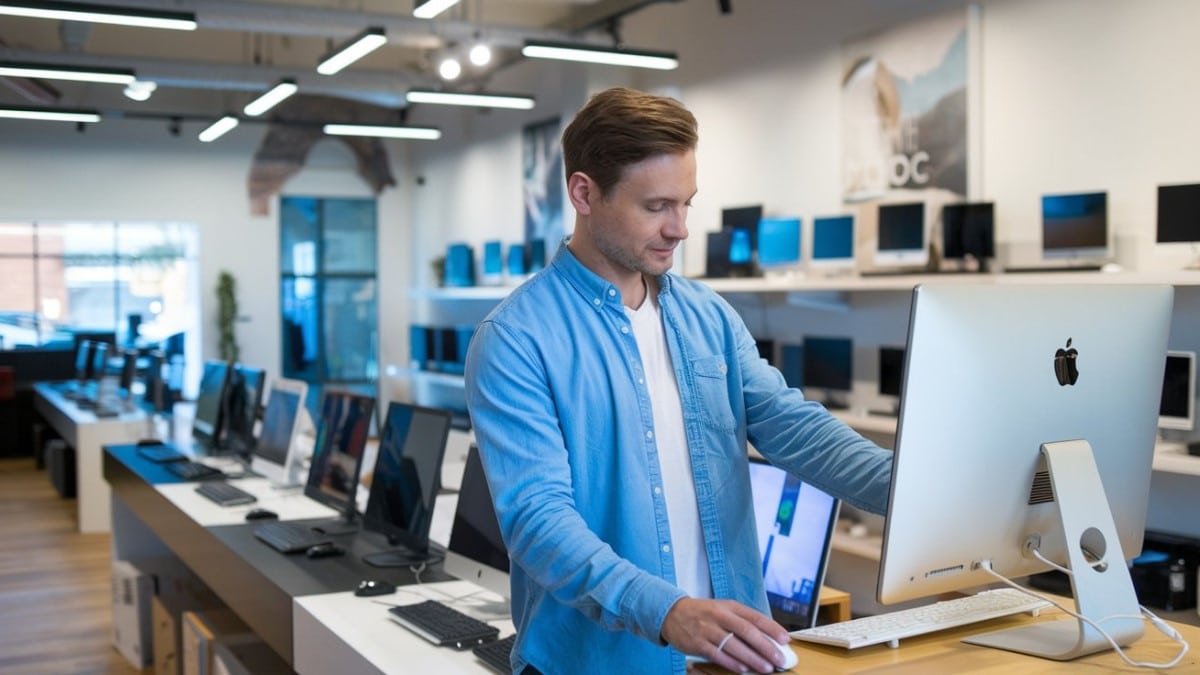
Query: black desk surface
x: 255, y: 581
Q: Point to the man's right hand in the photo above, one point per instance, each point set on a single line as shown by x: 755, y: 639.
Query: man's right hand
x: 726, y: 633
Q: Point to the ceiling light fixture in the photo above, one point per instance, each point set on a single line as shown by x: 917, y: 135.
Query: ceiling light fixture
x: 49, y: 114
x: 380, y: 131
x: 563, y: 51
x: 76, y: 73
x: 427, y: 9
x: 357, y: 47
x: 140, y: 90
x: 272, y: 98
x: 480, y: 54
x: 79, y: 11
x: 218, y: 129
x: 511, y: 101
x: 449, y: 68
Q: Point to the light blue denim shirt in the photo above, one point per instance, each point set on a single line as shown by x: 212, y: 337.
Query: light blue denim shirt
x: 563, y: 421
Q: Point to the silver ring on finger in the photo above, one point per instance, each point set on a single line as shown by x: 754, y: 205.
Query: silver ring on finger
x: 724, y: 640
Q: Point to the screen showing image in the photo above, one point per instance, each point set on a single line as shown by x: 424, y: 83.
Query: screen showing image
x: 891, y: 370
x: 795, y: 524
x: 1074, y: 223
x: 778, y: 241
x: 1177, y: 406
x: 241, y: 406
x: 407, y: 474
x: 902, y: 227
x: 833, y: 238
x: 206, y: 426
x: 828, y: 363
x: 1178, y: 213
x: 345, y: 421
x: 743, y: 218
x: 968, y: 229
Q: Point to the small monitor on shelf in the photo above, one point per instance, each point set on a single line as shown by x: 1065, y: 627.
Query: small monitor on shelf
x: 901, y: 235
x: 476, y: 551
x: 779, y: 245
x: 791, y: 365
x: 129, y: 362
x: 342, y: 430
x: 273, y: 456
x: 968, y: 231
x: 743, y: 218
x: 829, y: 368
x: 405, y: 482
x: 1177, y: 408
x: 891, y: 375
x: 1178, y: 219
x: 1075, y: 227
x: 209, y: 421
x: 795, y: 523
x: 832, y: 243
x: 241, y: 408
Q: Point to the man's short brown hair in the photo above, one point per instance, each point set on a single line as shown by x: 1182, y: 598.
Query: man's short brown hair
x: 619, y: 127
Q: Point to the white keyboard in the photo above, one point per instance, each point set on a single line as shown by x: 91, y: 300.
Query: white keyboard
x: 895, y: 626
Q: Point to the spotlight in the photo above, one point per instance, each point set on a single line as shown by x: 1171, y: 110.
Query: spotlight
x: 449, y: 68
x: 480, y: 54
x: 140, y: 90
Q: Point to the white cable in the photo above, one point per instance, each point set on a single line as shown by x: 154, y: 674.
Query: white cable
x: 1155, y: 620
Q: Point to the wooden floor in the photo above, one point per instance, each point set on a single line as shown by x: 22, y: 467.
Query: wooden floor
x: 55, y: 613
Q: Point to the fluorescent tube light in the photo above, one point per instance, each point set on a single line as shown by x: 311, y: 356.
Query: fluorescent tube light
x: 417, y: 133
x: 218, y: 129
x: 269, y: 100
x: 359, y: 46
x: 589, y: 54
x: 78, y: 11
x: 49, y: 115
x: 512, y: 101
x: 76, y: 73
x: 428, y: 9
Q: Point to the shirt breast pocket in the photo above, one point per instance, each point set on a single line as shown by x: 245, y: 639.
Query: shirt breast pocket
x: 710, y: 375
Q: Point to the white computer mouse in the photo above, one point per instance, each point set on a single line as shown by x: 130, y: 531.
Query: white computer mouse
x: 789, y: 656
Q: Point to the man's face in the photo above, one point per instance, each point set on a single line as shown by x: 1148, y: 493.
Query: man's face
x: 637, y: 226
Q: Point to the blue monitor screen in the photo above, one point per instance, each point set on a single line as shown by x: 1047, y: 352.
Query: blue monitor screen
x: 833, y: 238
x: 902, y: 227
x: 493, y: 263
x: 791, y: 365
x: 740, y: 249
x: 828, y: 363
x: 778, y: 241
x: 1078, y: 221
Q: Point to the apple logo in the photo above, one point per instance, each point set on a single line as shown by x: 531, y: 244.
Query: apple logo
x: 1064, y: 365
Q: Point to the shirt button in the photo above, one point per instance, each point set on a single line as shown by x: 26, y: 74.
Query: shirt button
x: 649, y: 434
x: 611, y: 292
x: 657, y: 490
x: 641, y: 381
x: 666, y: 548
x: 723, y: 368
x: 624, y: 329
x: 596, y: 302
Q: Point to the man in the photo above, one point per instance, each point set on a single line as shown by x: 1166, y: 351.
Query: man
x: 612, y: 404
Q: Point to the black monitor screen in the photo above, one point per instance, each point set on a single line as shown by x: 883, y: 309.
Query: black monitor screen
x: 743, y: 218
x: 154, y: 394
x: 902, y: 227
x: 279, y: 418
x: 1178, y: 213
x: 342, y: 431
x: 1078, y: 221
x: 407, y: 474
x: 206, y: 427
x: 828, y: 363
x: 241, y: 407
x: 83, y: 359
x: 891, y: 370
x: 1177, y: 388
x: 476, y: 531
x: 791, y: 365
x: 968, y: 229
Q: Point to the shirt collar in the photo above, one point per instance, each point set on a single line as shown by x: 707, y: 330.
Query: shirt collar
x: 594, y: 289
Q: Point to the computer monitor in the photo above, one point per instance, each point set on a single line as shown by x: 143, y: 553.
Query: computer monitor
x: 1027, y: 420
x: 476, y: 551
x: 901, y: 236
x: 829, y: 367
x: 83, y: 360
x: 242, y: 400
x: 832, y: 242
x: 99, y: 366
x: 129, y: 360
x: 891, y: 370
x: 1075, y: 226
x: 791, y: 364
x: 405, y: 482
x: 778, y: 244
x: 743, y: 218
x: 154, y: 390
x: 1179, y: 216
x: 209, y: 421
x: 273, y: 453
x: 795, y: 523
x: 342, y: 430
x: 969, y: 230
x: 1177, y: 407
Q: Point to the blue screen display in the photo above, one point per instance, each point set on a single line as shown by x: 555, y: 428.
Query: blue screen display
x: 833, y: 238
x: 1075, y: 221
x: 778, y: 241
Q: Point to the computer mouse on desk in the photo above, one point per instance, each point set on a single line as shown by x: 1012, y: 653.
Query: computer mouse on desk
x: 261, y: 514
x: 325, y: 550
x: 368, y: 587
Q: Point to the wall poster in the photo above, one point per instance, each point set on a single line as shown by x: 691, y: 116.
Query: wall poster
x: 542, y: 181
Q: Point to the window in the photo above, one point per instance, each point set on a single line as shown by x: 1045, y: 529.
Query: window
x: 329, y: 299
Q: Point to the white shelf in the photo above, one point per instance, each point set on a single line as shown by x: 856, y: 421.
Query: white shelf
x: 1173, y: 458
x: 906, y: 282
x: 882, y: 424
x: 461, y: 293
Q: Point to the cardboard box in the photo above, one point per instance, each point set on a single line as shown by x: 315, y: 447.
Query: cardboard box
x: 200, y: 633
x: 167, y: 610
x: 131, y: 592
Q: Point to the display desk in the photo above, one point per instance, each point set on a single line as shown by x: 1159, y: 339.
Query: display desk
x: 88, y: 434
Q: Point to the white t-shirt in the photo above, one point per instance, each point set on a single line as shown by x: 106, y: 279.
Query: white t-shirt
x: 683, y: 514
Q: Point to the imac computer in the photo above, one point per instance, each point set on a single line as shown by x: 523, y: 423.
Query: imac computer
x: 209, y: 422
x: 832, y: 244
x: 1075, y: 227
x: 405, y: 483
x: 273, y: 456
x: 1177, y: 407
x: 795, y: 523
x: 968, y: 232
x: 342, y: 430
x: 476, y: 551
x: 829, y: 367
x: 1027, y: 429
x: 779, y: 246
x: 901, y: 240
x: 241, y: 408
x: 1179, y: 217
